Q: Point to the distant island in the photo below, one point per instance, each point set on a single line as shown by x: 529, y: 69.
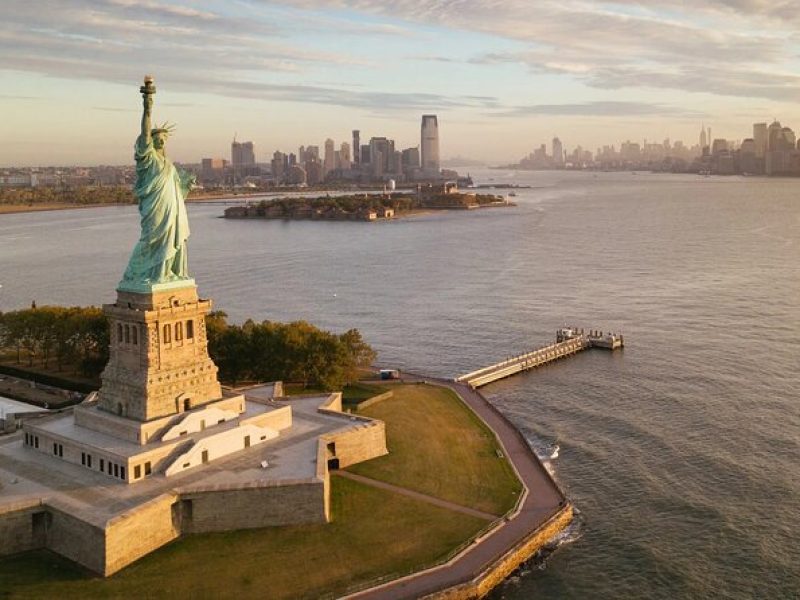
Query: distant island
x: 367, y: 207
x: 460, y: 161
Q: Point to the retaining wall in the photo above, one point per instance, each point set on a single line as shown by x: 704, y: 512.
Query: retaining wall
x: 264, y: 505
x: 486, y: 581
x: 132, y: 535
x: 17, y: 532
x: 76, y: 539
x: 375, y: 400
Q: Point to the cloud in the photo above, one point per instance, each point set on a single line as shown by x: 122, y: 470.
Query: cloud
x: 196, y: 50
x: 14, y: 97
x: 624, y: 43
x: 249, y: 49
x: 604, y: 109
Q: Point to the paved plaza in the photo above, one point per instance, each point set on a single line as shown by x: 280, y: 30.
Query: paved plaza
x: 27, y: 476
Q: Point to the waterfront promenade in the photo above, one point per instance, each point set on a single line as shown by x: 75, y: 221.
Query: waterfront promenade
x: 542, y: 501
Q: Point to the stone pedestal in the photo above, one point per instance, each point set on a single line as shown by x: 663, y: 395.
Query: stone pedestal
x: 159, y: 363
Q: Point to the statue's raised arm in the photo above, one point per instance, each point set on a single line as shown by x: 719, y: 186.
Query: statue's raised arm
x: 159, y: 257
x: 148, y: 90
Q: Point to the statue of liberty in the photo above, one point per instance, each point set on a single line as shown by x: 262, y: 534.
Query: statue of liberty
x: 160, y: 254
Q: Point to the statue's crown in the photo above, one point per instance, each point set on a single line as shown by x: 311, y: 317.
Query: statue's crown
x: 165, y: 127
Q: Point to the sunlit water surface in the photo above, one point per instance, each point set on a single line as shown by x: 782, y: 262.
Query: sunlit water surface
x: 681, y: 451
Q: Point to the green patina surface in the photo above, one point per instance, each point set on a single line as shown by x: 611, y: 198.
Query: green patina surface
x: 160, y: 255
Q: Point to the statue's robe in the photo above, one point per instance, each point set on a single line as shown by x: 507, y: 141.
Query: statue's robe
x: 160, y: 254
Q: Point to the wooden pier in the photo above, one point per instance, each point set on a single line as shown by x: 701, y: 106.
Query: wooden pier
x: 569, y: 341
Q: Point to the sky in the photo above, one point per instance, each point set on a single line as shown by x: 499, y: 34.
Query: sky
x: 503, y: 76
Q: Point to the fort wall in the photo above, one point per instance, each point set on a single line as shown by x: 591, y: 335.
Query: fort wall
x: 134, y: 534
x: 263, y: 504
x: 18, y: 527
x: 77, y: 539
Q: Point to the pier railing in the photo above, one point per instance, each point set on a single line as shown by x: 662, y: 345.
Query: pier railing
x: 574, y: 343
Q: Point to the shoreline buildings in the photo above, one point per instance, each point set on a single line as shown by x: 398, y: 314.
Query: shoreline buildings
x: 772, y: 150
x: 377, y: 161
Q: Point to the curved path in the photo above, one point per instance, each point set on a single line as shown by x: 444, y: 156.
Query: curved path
x: 543, y: 500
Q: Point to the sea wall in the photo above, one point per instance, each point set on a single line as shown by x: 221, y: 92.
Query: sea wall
x: 501, y: 568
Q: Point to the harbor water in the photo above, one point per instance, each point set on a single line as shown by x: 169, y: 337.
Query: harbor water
x: 681, y: 452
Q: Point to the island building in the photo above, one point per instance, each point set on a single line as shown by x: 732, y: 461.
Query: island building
x: 162, y: 449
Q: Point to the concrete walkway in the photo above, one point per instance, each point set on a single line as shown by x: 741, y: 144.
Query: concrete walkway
x: 543, y: 500
x: 418, y: 496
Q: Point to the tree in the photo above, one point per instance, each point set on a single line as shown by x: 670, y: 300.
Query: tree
x: 266, y: 351
x: 358, y: 354
x: 232, y: 354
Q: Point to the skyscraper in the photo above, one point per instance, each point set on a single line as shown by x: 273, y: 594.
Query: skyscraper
x: 356, y: 146
x: 430, y: 145
x: 330, y: 157
x: 242, y: 153
x: 344, y: 156
x: 704, y: 141
x: 558, y: 151
x: 760, y: 139
x: 278, y: 165
x: 410, y: 159
x: 381, y: 151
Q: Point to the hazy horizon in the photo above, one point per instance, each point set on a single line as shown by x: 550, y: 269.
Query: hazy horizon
x: 503, y: 77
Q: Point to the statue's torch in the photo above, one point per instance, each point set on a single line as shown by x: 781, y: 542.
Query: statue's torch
x: 148, y: 88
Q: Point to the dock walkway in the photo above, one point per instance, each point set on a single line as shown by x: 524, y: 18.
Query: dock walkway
x: 569, y: 341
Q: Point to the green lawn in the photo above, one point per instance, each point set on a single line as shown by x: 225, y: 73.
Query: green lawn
x: 373, y: 533
x: 352, y: 394
x: 439, y: 447
x: 355, y: 393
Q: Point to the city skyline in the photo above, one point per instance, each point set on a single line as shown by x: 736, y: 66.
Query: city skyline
x: 316, y: 70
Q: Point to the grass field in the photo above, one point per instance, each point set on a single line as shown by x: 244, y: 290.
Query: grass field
x: 356, y: 393
x: 373, y: 533
x: 439, y: 447
x: 352, y: 394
